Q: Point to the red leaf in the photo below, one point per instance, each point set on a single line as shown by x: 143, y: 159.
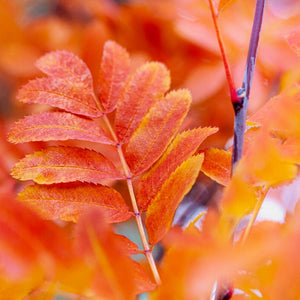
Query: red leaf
x: 162, y: 209
x: 49, y: 126
x: 60, y: 93
x: 147, y: 85
x: 67, y: 66
x: 156, y: 130
x: 183, y: 146
x: 217, y: 165
x: 68, y: 201
x: 113, y: 76
x: 65, y: 164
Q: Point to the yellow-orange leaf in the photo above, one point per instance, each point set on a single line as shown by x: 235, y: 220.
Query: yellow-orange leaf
x: 49, y: 126
x: 68, y: 201
x: 146, y: 86
x: 265, y: 163
x: 113, y: 75
x: 217, y: 165
x: 67, y: 66
x: 65, y: 164
x: 162, y: 209
x: 156, y: 130
x: 60, y: 93
x: 183, y: 146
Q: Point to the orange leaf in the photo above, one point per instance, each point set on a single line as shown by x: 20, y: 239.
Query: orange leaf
x: 222, y: 4
x: 141, y: 280
x: 156, y: 130
x: 67, y: 66
x: 65, y: 164
x: 97, y: 243
x: 68, y: 201
x: 113, y: 76
x: 27, y: 242
x: 183, y: 146
x: 126, y: 244
x: 293, y: 39
x: 265, y: 164
x: 217, y: 165
x: 146, y: 86
x: 239, y: 197
x: 273, y: 114
x: 60, y: 93
x: 48, y: 126
x: 162, y: 209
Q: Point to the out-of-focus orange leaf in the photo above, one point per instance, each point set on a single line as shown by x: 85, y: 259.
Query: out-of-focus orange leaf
x: 157, y: 130
x: 30, y: 246
x: 68, y: 201
x: 183, y: 146
x: 114, y: 272
x: 65, y: 65
x: 217, y: 165
x: 127, y: 245
x: 162, y: 209
x: 65, y: 164
x: 222, y: 4
x: 293, y: 39
x: 239, y: 199
x: 48, y: 126
x: 60, y: 93
x: 265, y: 164
x: 273, y: 114
x: 147, y: 85
x: 141, y: 279
x: 113, y: 76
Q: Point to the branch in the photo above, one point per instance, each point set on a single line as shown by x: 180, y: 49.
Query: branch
x: 240, y: 108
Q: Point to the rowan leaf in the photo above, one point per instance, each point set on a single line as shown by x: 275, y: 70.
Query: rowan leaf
x: 183, y: 146
x: 60, y: 93
x: 217, y: 165
x: 65, y: 164
x: 65, y: 65
x: 162, y: 209
x: 156, y: 130
x: 68, y: 201
x: 147, y: 85
x: 113, y: 75
x: 51, y: 126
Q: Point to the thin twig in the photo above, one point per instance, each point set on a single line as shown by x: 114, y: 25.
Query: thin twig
x: 136, y: 212
x: 137, y: 215
x: 254, y: 215
x: 239, y: 99
x: 240, y: 109
x: 233, y: 94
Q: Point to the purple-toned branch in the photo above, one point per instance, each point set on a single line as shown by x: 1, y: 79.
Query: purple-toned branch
x: 240, y: 108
